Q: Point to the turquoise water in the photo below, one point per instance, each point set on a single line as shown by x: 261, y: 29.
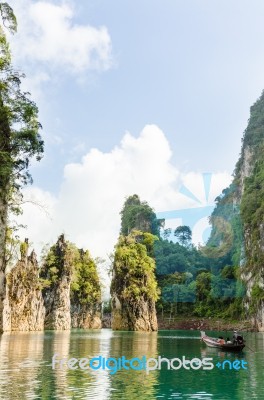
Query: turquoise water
x: 26, y: 367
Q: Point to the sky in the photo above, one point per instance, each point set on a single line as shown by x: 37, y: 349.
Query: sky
x: 148, y: 97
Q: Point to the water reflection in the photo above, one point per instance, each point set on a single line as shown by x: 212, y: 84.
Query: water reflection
x: 134, y: 384
x: 21, y: 357
x: 26, y: 371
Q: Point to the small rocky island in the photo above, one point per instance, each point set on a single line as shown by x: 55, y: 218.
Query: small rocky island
x: 134, y: 286
x: 64, y: 293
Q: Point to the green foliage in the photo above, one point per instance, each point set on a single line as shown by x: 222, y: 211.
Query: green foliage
x: 253, y: 135
x: 235, y: 245
x: 8, y: 17
x: 19, y: 126
x: 257, y: 292
x: 172, y: 257
x: 133, y: 268
x: 252, y: 211
x: 226, y: 240
x: 138, y: 215
x: 257, y: 297
x: 192, y: 284
x: 13, y: 244
x: 183, y: 234
x: 65, y: 259
x: 85, y: 286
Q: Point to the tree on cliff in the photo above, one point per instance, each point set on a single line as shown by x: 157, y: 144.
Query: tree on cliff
x: 85, y: 286
x: 65, y: 259
x: 137, y: 214
x: 183, y: 234
x: 134, y: 283
x: 19, y: 136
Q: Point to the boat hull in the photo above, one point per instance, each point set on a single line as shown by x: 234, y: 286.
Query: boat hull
x: 212, y: 342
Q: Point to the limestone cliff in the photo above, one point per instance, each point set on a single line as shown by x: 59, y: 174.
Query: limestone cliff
x: 85, y: 316
x: 24, y: 306
x: 85, y: 293
x: 56, y: 278
x: 71, y: 288
x: 134, y: 287
x: 242, y: 205
x: 137, y: 315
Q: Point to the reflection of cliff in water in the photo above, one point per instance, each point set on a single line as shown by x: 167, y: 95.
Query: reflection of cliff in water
x: 54, y: 384
x: 26, y: 367
x: 200, y: 384
x: 130, y: 384
x: 252, y: 385
x: 65, y: 383
x: 20, y: 364
x: 89, y: 384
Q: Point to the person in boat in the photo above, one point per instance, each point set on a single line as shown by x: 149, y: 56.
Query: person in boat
x: 237, y: 339
x: 221, y: 340
x: 228, y: 341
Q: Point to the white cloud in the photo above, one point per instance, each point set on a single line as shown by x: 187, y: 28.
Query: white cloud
x: 38, y: 215
x: 93, y: 191
x: 50, y: 41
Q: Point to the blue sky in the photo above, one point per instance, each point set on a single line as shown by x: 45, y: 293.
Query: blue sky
x: 189, y: 69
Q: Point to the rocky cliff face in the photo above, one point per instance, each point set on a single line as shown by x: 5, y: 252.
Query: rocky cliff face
x: 24, y: 305
x: 139, y: 315
x: 134, y: 287
x: 85, y: 293
x: 85, y: 316
x: 56, y: 275
x: 251, y: 178
x: 246, y: 197
x: 72, y: 292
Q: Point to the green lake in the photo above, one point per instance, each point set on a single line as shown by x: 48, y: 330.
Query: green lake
x: 26, y: 367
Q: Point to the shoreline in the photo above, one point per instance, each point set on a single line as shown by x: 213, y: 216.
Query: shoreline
x: 195, y: 323
x: 207, y: 324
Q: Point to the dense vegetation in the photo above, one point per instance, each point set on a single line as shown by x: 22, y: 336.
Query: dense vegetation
x: 252, y: 212
x: 64, y: 259
x: 194, y: 283
x: 133, y: 269
x: 202, y: 282
x: 19, y: 138
x: 85, y: 286
x: 138, y: 215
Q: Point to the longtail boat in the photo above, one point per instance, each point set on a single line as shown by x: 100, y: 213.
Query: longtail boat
x: 220, y: 343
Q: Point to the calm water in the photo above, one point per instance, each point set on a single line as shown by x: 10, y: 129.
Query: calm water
x: 26, y: 371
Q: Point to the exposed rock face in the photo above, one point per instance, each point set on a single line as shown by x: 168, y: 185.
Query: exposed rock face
x: 134, y: 286
x: 57, y: 295
x: 137, y: 316
x: 106, y: 321
x: 85, y: 293
x: 24, y: 305
x: 85, y: 316
x: 57, y: 304
x: 245, y: 196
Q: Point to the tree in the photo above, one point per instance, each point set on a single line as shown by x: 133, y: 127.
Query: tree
x: 133, y: 268
x: 166, y: 233
x: 19, y: 137
x: 85, y: 286
x: 184, y: 235
x: 138, y: 215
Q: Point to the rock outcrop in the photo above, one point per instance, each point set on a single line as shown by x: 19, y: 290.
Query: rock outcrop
x: 137, y: 315
x: 24, y: 305
x: 85, y: 316
x: 71, y: 288
x: 134, y: 287
x: 243, y: 202
x: 56, y: 276
x: 85, y: 293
